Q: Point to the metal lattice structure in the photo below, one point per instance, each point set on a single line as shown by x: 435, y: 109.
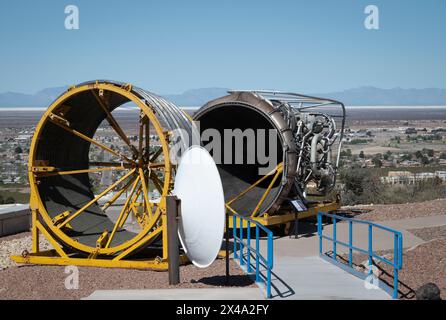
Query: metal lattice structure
x: 65, y: 208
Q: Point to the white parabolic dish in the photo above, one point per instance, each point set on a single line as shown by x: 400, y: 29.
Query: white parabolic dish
x: 201, y: 226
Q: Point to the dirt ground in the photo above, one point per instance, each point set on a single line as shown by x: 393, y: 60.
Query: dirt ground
x: 48, y: 282
x: 429, y: 234
x: 421, y: 264
x: 381, y: 212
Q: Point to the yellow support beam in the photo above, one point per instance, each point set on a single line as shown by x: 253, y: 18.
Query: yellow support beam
x: 267, y: 191
x: 154, y: 264
x: 276, y: 169
x: 51, y: 171
x: 64, y: 124
x: 103, y: 239
x: 285, y: 217
x: 103, y: 193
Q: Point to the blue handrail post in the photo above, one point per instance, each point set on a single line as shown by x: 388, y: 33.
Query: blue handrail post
x: 319, y: 230
x: 334, y: 239
x: 242, y: 249
x: 350, y: 243
x: 270, y: 265
x: 396, y: 262
x: 257, y: 254
x: 370, y: 249
x: 248, y: 240
x: 400, y: 250
x: 234, y: 234
x: 260, y: 260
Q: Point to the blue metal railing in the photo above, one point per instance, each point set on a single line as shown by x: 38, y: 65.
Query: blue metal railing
x: 397, y: 262
x: 245, y: 258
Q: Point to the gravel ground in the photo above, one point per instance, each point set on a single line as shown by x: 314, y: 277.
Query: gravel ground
x: 48, y: 282
x: 422, y: 264
x: 15, y: 236
x: 382, y: 212
x: 428, y: 234
x: 15, y: 245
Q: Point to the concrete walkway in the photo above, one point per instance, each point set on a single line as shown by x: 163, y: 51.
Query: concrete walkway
x: 309, y: 278
x: 179, y: 294
x: 416, y: 223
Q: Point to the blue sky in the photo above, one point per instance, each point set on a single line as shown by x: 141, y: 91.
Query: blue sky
x: 311, y: 46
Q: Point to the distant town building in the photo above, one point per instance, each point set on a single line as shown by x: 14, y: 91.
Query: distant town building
x: 407, y: 177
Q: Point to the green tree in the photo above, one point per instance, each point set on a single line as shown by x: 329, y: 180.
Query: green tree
x: 430, y: 152
x: 9, y: 200
x: 377, y: 162
x: 18, y: 150
x: 406, y: 157
x: 346, y: 153
x: 349, y: 152
x: 360, y: 186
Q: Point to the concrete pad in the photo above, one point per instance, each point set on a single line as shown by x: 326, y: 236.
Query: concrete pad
x: 415, y: 223
x: 179, y: 294
x: 310, y: 278
x: 289, y: 247
x: 382, y: 240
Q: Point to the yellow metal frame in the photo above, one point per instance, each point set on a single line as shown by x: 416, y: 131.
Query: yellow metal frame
x: 58, y: 256
x: 280, y: 217
x: 53, y: 230
x: 286, y: 217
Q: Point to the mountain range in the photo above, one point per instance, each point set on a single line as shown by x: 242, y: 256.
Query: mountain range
x: 362, y: 96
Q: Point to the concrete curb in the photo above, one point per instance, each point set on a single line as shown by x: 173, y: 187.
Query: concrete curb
x: 14, y: 218
x: 179, y: 294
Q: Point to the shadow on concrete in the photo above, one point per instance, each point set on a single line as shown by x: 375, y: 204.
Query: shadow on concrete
x: 305, y: 228
x: 404, y: 291
x: 276, y: 292
x: 279, y: 288
x: 234, y: 281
